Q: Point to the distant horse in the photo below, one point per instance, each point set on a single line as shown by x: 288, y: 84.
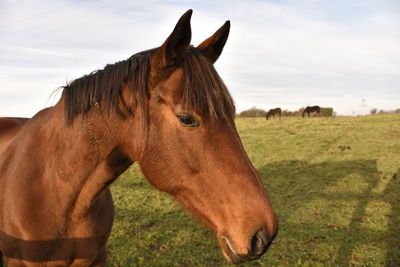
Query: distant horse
x: 309, y: 110
x: 274, y: 111
x: 165, y: 108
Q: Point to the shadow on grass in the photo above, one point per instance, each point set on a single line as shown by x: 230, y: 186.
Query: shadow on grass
x: 392, y: 194
x: 322, y: 210
x: 324, y: 213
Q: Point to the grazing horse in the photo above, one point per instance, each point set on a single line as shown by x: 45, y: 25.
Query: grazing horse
x: 274, y: 111
x: 309, y: 110
x: 165, y: 108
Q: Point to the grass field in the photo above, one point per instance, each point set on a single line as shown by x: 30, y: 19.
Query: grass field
x: 334, y: 182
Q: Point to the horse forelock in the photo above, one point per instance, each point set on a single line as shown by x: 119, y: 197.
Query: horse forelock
x: 203, y: 90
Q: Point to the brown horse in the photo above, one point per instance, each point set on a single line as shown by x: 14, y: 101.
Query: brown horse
x: 165, y: 108
x: 273, y: 112
x: 310, y: 110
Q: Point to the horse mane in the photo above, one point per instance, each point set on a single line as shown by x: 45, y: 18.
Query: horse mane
x: 106, y: 85
x: 203, y: 89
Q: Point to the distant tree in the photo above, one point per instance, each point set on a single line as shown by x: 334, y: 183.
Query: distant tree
x: 326, y: 112
x: 397, y: 110
x: 253, y: 112
x: 299, y: 112
x: 382, y: 111
x: 257, y: 112
x: 373, y: 111
x: 287, y: 113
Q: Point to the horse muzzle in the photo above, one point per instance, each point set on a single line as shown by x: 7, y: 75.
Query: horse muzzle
x: 257, y: 245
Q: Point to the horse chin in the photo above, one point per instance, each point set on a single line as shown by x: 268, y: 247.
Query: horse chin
x: 234, y: 257
x: 228, y: 251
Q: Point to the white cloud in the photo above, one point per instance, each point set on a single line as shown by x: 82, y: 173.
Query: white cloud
x: 279, y: 53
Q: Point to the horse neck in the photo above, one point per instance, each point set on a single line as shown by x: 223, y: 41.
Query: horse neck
x: 82, y: 159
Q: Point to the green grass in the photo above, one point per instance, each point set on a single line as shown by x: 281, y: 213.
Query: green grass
x: 334, y: 183
x: 330, y: 181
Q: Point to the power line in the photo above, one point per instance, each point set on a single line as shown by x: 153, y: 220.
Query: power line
x: 87, y: 20
x: 38, y: 14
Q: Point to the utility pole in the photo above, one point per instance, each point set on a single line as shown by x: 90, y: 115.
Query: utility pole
x: 363, y: 106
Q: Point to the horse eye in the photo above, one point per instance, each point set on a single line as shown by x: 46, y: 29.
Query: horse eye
x: 187, y: 120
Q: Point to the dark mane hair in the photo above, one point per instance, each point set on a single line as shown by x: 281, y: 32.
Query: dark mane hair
x: 203, y: 89
x: 106, y: 85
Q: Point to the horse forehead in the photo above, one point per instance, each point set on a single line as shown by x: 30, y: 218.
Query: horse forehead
x: 175, y: 79
x: 171, y: 87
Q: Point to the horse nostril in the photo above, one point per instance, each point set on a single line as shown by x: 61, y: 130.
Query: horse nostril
x: 259, y: 243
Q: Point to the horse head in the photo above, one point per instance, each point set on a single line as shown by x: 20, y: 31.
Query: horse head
x: 193, y: 150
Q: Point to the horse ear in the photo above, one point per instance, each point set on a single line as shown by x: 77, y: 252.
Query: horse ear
x: 173, y: 49
x: 212, y: 47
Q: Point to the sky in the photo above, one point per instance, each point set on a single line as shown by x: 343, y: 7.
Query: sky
x: 280, y: 53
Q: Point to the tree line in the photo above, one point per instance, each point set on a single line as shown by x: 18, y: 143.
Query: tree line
x: 375, y: 111
x: 257, y: 112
